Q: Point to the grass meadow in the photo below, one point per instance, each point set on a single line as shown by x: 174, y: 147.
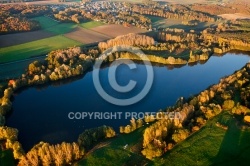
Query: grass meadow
x: 211, y: 145
x: 42, y: 46
x: 91, y: 24
x: 53, y: 26
x: 35, y: 48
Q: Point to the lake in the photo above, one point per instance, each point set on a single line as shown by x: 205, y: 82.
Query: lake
x: 42, y: 113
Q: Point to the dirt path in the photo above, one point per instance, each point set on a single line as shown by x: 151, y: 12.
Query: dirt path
x: 98, y: 146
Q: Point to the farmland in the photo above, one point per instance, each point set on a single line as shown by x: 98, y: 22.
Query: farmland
x: 86, y: 36
x: 114, y: 30
x: 194, y: 1
x: 55, y: 27
x: 235, y: 16
x: 24, y: 45
x: 55, y: 35
x: 24, y: 37
x: 34, y: 48
x: 91, y: 24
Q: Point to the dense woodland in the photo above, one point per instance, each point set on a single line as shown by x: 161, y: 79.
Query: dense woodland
x: 15, y: 18
x: 78, y: 15
x: 129, y: 39
x: 174, y: 11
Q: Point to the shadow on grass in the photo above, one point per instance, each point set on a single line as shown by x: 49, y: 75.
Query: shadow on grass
x: 199, y: 27
x: 24, y: 53
x: 235, y: 147
x: 6, y: 158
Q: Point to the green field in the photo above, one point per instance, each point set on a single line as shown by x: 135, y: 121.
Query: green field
x: 43, y: 46
x: 55, y: 27
x: 116, y: 153
x: 91, y: 24
x: 46, y: 22
x: 211, y: 145
x: 35, y: 48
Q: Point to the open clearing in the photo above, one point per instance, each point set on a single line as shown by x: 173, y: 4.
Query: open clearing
x: 114, y: 30
x: 235, y: 16
x: 54, y: 26
x: 24, y: 37
x: 159, y: 22
x: 86, y: 36
x: 35, y: 48
x: 91, y: 24
x: 45, y: 22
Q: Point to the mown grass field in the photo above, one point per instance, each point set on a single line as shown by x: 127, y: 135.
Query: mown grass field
x: 45, y: 22
x: 35, y: 48
x: 211, y: 145
x: 91, y: 24
x: 55, y: 27
x: 115, y: 154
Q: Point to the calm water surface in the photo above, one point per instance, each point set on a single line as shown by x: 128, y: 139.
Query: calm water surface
x: 41, y: 113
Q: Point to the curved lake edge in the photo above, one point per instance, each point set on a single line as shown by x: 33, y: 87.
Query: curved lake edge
x: 72, y: 77
x: 107, y: 64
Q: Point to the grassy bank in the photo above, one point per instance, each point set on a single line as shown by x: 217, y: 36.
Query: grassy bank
x: 116, y: 152
x: 211, y: 145
x: 6, y: 158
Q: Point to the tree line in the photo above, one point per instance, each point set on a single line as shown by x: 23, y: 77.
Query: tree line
x: 174, y: 12
x: 129, y: 40
x: 193, y: 113
x: 79, y: 15
x: 46, y: 154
